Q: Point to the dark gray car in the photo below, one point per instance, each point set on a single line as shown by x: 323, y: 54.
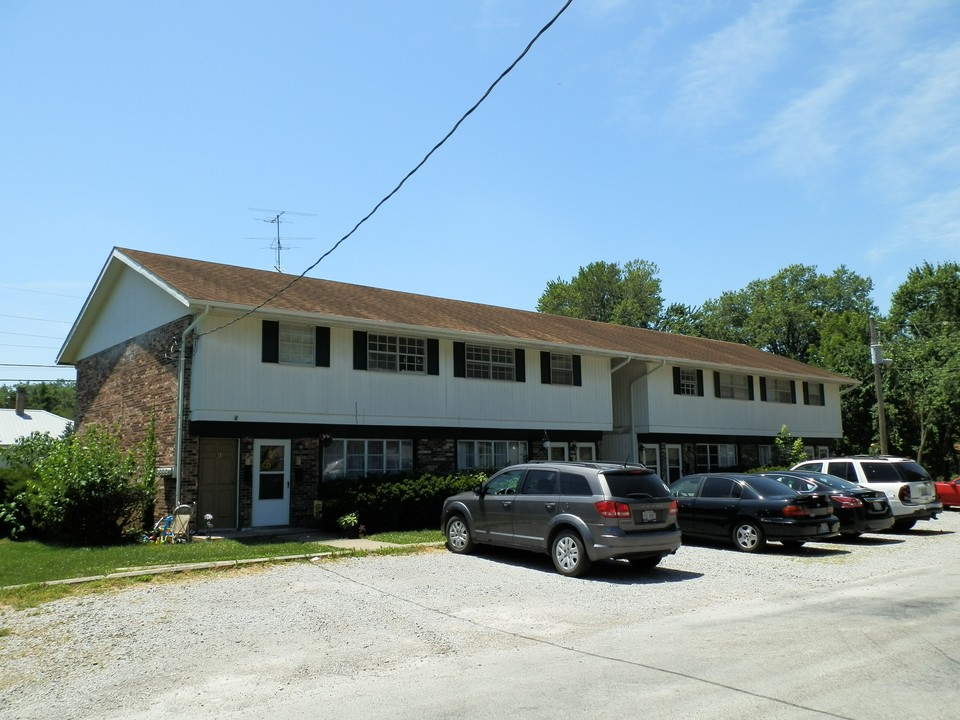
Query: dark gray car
x: 576, y: 512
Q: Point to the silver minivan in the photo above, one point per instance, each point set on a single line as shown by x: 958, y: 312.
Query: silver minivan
x: 907, y: 485
x: 577, y: 512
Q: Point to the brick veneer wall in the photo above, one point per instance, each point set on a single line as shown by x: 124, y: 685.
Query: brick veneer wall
x: 123, y: 386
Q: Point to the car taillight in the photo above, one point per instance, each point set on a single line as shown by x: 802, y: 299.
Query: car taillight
x: 672, y: 512
x: 796, y: 511
x: 904, y: 494
x: 845, y: 501
x: 612, y: 509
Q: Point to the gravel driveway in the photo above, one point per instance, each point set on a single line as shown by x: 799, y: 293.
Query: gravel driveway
x: 434, y: 635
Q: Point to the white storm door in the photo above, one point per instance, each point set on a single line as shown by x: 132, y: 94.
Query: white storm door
x: 650, y: 456
x: 674, y: 464
x: 271, y: 483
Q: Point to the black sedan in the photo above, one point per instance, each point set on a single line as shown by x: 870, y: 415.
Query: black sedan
x: 751, y: 509
x: 859, y: 509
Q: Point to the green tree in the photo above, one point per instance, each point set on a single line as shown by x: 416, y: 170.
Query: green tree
x: 605, y: 292
x: 681, y: 319
x: 58, y: 397
x: 923, y: 383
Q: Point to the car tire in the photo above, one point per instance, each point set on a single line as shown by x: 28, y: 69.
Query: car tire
x: 569, y: 554
x: 747, y: 536
x: 904, y: 524
x: 457, y: 533
x: 647, y: 563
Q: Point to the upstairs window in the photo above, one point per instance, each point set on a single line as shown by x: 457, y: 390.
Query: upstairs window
x: 560, y: 369
x: 394, y: 353
x: 813, y: 394
x: 489, y: 362
x: 778, y: 390
x: 687, y: 381
x: 295, y: 344
x: 733, y: 386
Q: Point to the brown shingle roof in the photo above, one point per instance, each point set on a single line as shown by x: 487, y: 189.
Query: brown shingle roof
x: 216, y: 284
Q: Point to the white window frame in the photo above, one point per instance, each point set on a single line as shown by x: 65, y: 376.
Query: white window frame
x: 712, y: 457
x: 490, y: 454
x: 816, y: 452
x: 490, y: 362
x: 689, y: 381
x: 765, y: 455
x: 734, y: 386
x: 359, y: 457
x: 814, y: 397
x: 779, y: 390
x: 561, y: 368
x: 297, y: 344
x: 396, y: 353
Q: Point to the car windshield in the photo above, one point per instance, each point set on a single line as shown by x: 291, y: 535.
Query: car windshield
x: 637, y: 484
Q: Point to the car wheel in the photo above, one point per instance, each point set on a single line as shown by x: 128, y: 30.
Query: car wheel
x: 569, y: 554
x: 748, y: 536
x: 458, y: 535
x: 647, y: 563
x: 904, y: 524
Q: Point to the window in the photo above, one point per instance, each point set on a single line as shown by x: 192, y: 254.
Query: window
x: 297, y: 344
x: 733, y: 386
x: 687, y: 381
x: 487, y: 454
x: 813, y: 394
x: 765, y: 455
x: 541, y: 482
x: 394, y: 353
x: 711, y: 457
x: 815, y: 452
x: 778, y: 390
x: 359, y: 458
x: 559, y: 369
x: 489, y: 363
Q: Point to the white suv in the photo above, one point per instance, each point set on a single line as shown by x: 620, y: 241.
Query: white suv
x: 908, y: 486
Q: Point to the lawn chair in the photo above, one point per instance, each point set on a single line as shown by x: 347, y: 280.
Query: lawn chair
x: 180, y: 526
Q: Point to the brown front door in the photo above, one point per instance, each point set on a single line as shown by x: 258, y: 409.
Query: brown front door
x: 217, y: 483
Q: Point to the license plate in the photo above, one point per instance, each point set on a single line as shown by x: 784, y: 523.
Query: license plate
x: 648, y: 516
x: 877, y: 506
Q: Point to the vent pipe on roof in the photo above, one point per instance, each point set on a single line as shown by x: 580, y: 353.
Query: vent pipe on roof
x: 21, y: 401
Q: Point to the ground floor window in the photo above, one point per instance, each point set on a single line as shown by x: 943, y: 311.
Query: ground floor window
x: 490, y: 454
x: 359, y: 458
x: 765, y: 455
x: 815, y: 452
x: 713, y: 457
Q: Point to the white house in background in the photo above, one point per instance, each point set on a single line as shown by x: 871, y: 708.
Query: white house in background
x: 21, y: 422
x: 262, y: 385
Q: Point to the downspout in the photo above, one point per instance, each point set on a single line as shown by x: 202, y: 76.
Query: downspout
x: 181, y: 374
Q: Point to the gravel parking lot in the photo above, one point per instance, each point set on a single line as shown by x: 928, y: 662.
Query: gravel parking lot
x: 865, y: 629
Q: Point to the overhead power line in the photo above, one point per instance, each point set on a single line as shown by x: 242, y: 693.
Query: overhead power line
x: 406, y: 177
x: 21, y: 317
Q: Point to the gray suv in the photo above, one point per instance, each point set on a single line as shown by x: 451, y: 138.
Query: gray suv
x: 577, y: 512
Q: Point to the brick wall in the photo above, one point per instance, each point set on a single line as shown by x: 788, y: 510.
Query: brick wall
x: 122, y: 387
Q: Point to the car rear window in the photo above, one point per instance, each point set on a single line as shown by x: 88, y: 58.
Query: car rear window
x: 768, y: 487
x: 634, y: 484
x: 913, y: 472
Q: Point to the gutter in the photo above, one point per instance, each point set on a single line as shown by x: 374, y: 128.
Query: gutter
x: 181, y: 373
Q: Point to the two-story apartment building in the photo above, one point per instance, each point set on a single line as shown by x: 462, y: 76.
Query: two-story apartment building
x: 262, y: 385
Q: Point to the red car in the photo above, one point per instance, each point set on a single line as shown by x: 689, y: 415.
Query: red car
x: 949, y: 492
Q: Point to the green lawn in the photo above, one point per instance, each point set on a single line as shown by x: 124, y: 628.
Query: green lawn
x: 35, y: 562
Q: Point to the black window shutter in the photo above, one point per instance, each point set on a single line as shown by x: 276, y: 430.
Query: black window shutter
x: 716, y: 383
x: 793, y: 391
x: 676, y: 381
x: 823, y: 399
x: 433, y: 356
x: 359, y: 350
x: 520, y: 360
x: 270, y: 348
x: 577, y: 375
x: 763, y: 389
x: 750, y: 385
x: 806, y: 393
x: 323, y: 347
x: 700, y: 383
x: 459, y: 359
x: 545, y: 368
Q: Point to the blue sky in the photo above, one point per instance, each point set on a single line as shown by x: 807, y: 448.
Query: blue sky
x: 720, y: 140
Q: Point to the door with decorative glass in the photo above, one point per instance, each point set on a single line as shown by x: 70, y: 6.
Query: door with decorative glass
x: 271, y: 483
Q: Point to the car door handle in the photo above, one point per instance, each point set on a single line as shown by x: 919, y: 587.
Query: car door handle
x: 550, y: 506
x: 507, y: 504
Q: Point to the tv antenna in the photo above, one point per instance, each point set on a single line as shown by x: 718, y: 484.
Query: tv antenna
x: 277, y: 218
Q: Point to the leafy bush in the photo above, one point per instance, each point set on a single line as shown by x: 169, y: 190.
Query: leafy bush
x: 87, y: 489
x: 385, y: 503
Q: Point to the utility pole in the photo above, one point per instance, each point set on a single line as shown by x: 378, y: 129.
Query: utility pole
x: 876, y: 357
